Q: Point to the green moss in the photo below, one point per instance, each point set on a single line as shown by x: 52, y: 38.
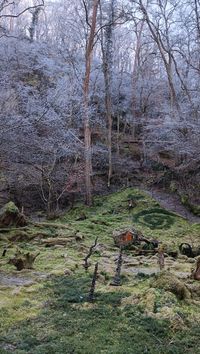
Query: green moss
x: 155, y: 218
x: 168, y: 281
x: 185, y: 200
x: 53, y: 316
x: 67, y: 323
x: 11, y: 208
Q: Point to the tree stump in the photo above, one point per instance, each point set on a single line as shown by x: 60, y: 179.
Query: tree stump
x: 10, y: 215
x: 23, y: 260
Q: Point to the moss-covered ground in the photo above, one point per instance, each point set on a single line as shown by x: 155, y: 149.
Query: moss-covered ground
x: 45, y: 310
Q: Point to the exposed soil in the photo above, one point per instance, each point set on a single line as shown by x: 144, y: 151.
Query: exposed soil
x: 172, y: 202
x: 13, y: 280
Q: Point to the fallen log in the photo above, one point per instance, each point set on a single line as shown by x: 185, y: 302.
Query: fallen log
x: 62, y: 241
x: 10, y: 229
x: 48, y: 224
x: 21, y: 236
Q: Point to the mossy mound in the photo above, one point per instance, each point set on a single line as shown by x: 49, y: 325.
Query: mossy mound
x: 169, y: 282
x: 11, y: 208
x: 149, y: 300
x: 10, y: 215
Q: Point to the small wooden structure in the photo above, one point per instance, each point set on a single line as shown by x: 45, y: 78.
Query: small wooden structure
x: 124, y: 238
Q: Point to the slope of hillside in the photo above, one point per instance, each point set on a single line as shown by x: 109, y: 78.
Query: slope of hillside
x: 45, y: 310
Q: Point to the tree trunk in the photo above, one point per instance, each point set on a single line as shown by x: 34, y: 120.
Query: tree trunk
x: 135, y: 72
x: 87, y: 131
x: 107, y: 70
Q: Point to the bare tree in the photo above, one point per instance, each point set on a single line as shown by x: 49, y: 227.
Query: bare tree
x: 87, y: 131
x: 138, y: 31
x: 163, y: 46
x: 107, y: 56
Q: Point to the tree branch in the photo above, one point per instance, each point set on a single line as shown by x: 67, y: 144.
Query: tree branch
x: 22, y: 12
x: 86, y: 13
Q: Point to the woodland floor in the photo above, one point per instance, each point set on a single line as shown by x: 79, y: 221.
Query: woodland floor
x: 46, y: 311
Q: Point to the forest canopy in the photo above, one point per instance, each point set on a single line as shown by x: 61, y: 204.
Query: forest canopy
x: 93, y: 93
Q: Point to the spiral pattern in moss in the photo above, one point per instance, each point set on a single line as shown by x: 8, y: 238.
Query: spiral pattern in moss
x: 155, y: 218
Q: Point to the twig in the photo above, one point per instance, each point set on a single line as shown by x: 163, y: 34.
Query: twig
x: 86, y: 264
x: 23, y: 11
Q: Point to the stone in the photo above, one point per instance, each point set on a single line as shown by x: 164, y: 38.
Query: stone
x: 67, y: 272
x: 79, y: 237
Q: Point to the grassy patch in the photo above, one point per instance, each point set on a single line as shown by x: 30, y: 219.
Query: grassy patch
x: 68, y: 324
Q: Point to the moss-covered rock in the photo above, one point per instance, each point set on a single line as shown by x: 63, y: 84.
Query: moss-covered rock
x: 194, y: 288
x: 168, y: 281
x: 10, y: 207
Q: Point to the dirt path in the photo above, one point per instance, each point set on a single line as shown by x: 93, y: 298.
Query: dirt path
x: 172, y: 202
